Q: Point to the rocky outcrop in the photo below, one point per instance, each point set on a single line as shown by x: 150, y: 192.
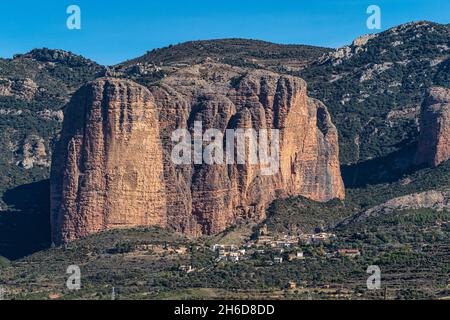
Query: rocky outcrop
x: 107, y: 171
x: 114, y: 169
x: 225, y: 97
x: 435, y: 200
x: 32, y: 152
x: 23, y: 89
x: 434, y: 141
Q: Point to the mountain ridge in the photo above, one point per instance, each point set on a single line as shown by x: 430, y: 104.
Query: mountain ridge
x: 235, y: 51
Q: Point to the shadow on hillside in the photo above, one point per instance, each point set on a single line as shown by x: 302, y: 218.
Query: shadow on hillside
x: 25, y: 228
x: 386, y: 169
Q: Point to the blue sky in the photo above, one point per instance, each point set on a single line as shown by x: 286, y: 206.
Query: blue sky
x: 113, y: 31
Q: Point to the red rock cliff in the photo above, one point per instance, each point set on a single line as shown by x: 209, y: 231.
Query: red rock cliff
x: 434, y: 141
x: 107, y: 171
x: 113, y: 165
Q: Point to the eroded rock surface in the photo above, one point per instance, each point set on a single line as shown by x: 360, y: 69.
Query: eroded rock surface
x: 107, y: 171
x: 113, y: 167
x: 434, y: 141
x: 433, y: 199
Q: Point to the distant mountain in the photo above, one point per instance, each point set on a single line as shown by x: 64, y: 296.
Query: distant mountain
x: 34, y: 87
x: 237, y: 52
x: 374, y: 87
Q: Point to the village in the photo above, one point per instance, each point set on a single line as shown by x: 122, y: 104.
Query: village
x: 265, y: 248
x: 281, y: 248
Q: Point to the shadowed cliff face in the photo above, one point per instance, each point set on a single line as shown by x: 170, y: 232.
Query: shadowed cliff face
x: 113, y: 165
x: 434, y: 141
x: 25, y: 227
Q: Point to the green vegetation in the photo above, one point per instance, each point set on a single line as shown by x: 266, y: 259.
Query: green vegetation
x: 300, y: 214
x: 364, y: 110
x: 3, y: 261
x: 422, y: 180
x: 36, y: 86
x: 237, y: 52
x: 303, y: 215
x: 410, y: 247
x: 27, y: 111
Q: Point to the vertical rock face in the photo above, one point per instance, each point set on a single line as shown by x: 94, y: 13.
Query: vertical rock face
x: 113, y: 167
x: 434, y: 141
x: 223, y: 97
x: 107, y: 170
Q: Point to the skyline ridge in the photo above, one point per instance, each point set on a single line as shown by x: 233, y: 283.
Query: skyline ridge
x: 170, y: 46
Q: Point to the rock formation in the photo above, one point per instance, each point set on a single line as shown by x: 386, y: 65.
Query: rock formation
x: 107, y: 171
x: 32, y: 153
x: 433, y: 199
x: 113, y: 165
x: 434, y: 141
x: 22, y: 89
